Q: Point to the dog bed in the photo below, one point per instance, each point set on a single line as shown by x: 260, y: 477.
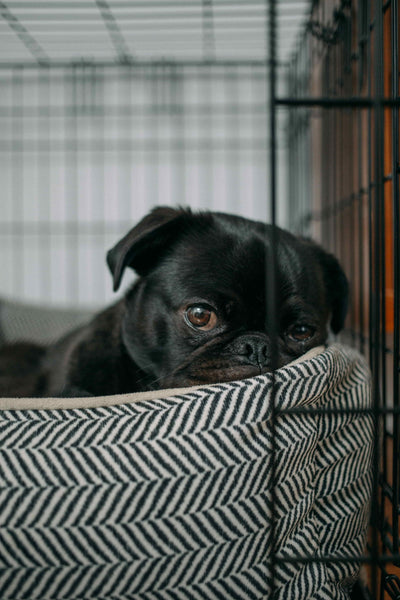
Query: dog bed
x: 39, y: 324
x: 203, y: 493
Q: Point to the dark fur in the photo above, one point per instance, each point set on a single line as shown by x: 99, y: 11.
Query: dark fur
x: 144, y: 342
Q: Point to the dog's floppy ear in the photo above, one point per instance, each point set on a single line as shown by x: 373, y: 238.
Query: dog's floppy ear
x: 337, y: 288
x: 142, y: 246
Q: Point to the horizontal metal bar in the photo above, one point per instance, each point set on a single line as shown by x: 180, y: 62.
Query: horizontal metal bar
x: 146, y: 27
x: 88, y: 4
x: 61, y: 64
x: 134, y: 27
x: 126, y: 145
x: 139, y: 110
x: 113, y: 73
x: 97, y: 40
x: 334, y: 102
x: 63, y: 12
x: 78, y: 16
x: 128, y: 4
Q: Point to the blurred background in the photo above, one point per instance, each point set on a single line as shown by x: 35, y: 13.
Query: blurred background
x: 110, y: 108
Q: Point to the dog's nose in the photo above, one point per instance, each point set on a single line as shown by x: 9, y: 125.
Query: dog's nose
x: 255, y: 348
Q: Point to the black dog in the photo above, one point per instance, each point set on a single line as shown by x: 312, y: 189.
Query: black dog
x: 198, y: 313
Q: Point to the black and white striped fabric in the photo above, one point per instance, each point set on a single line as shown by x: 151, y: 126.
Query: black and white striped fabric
x: 199, y: 495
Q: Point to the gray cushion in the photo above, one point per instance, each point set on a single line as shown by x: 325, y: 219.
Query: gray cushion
x: 43, y: 325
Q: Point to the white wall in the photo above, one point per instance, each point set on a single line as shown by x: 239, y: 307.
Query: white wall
x: 85, y: 153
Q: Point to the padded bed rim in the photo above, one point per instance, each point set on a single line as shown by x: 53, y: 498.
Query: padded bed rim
x: 100, y: 401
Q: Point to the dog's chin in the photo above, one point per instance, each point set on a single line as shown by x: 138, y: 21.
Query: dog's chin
x: 208, y: 375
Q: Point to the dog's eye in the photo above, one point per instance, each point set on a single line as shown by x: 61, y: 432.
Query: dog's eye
x: 301, y: 333
x: 201, y: 317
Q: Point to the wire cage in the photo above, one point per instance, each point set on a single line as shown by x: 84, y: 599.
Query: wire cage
x: 344, y: 153
x: 284, y: 110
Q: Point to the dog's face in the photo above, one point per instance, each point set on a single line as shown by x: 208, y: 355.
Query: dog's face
x: 201, y: 309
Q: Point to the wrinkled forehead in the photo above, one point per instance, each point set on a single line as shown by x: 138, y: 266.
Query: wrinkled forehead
x: 220, y: 258
x: 237, y: 262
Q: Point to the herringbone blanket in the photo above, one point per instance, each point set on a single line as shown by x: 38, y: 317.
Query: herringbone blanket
x: 207, y: 494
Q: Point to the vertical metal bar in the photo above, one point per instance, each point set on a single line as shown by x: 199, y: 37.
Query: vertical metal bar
x: 361, y: 245
x: 380, y: 222
x: 141, y: 87
x: 361, y: 241
x: 297, y: 212
x: 370, y: 184
x: 325, y: 172
x: 372, y: 341
x: 228, y: 150
x: 347, y: 224
x: 272, y: 104
x: 294, y: 122
x: 44, y: 120
x: 178, y: 134
x: 126, y: 128
x: 72, y: 90
x: 272, y: 259
x: 291, y: 151
x: 377, y: 309
x: 256, y: 117
x: 208, y: 30
x: 309, y: 156
x: 152, y: 157
x: 18, y: 159
x: 300, y: 141
x: 299, y: 146
x: 207, y: 160
x: 233, y: 134
x: 172, y: 155
x: 307, y: 150
x: 335, y: 141
x: 360, y: 193
x: 396, y: 266
x: 105, y: 155
x: 331, y: 168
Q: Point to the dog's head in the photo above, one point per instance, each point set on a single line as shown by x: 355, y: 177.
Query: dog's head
x: 200, y: 311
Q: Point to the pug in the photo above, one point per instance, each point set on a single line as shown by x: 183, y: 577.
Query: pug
x: 218, y: 297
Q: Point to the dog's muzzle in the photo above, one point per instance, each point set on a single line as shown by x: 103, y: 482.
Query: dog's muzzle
x: 253, y: 349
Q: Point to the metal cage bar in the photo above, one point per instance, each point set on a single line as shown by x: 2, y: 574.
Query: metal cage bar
x: 356, y: 212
